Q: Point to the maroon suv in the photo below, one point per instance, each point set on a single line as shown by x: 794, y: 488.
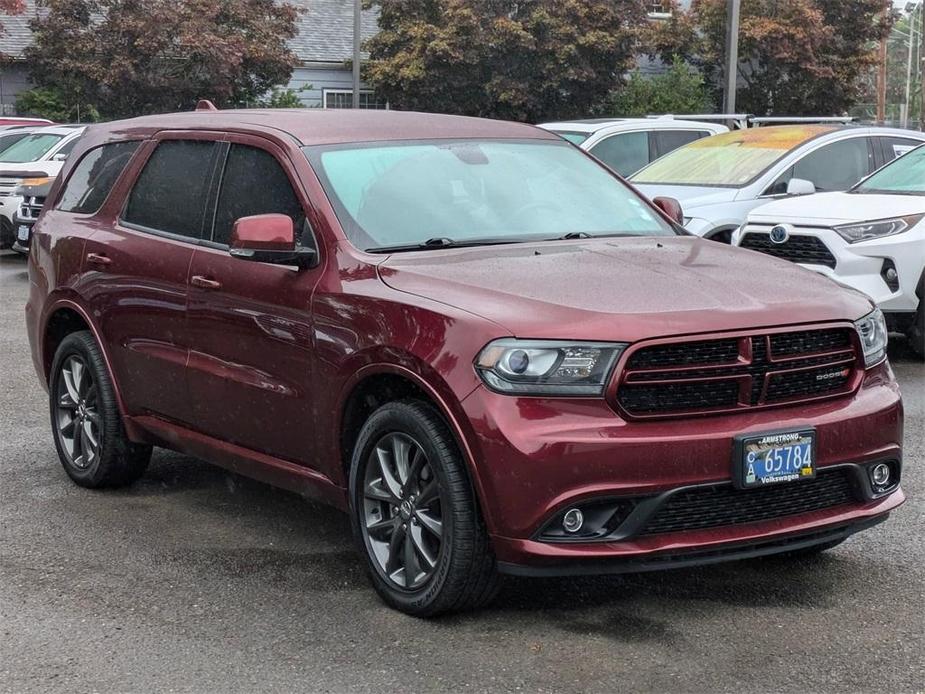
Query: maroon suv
x: 477, y: 340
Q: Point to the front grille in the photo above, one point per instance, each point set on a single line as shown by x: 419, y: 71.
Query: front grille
x: 31, y: 207
x: 797, y: 249
x: 8, y: 185
x: 730, y: 374
x: 722, y: 504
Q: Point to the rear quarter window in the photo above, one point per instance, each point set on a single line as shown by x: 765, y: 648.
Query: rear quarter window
x: 95, y: 175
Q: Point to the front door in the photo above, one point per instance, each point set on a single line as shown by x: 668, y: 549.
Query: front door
x: 250, y: 366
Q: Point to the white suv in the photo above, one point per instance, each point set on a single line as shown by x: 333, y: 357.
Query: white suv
x: 39, y: 155
x: 628, y: 144
x: 871, y: 238
x: 718, y: 181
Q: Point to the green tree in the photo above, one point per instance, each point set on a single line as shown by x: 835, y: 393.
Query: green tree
x: 530, y: 61
x: 679, y: 90
x: 51, y: 103
x: 131, y: 57
x: 283, y: 98
x: 796, y: 57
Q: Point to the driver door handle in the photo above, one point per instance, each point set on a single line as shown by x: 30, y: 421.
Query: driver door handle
x: 204, y: 282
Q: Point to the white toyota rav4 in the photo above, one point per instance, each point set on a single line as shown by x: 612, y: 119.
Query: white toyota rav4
x: 871, y: 237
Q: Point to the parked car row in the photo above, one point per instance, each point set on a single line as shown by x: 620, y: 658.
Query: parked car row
x: 478, y: 341
x: 31, y: 156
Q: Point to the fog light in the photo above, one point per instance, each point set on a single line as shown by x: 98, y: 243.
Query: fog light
x: 880, y: 475
x: 573, y: 520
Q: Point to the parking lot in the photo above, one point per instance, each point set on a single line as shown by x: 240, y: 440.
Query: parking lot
x: 196, y: 580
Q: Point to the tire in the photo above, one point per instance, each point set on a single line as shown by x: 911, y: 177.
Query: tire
x: 721, y: 236
x: 85, y: 420
x: 916, y: 332
x: 407, y: 479
x: 7, y: 237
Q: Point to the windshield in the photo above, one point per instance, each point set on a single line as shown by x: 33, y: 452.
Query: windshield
x: 406, y: 193
x: 31, y: 148
x: 10, y: 139
x: 904, y: 176
x: 731, y: 159
x: 576, y: 138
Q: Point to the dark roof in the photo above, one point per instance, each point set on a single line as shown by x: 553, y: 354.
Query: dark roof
x: 311, y: 126
x: 325, y: 30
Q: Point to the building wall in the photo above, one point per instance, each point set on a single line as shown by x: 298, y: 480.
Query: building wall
x: 13, y: 80
x: 311, y: 81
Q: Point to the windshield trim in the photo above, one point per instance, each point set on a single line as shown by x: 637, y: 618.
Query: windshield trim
x: 754, y: 179
x: 313, y: 156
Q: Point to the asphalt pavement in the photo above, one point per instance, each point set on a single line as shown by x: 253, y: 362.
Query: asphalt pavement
x: 197, y: 580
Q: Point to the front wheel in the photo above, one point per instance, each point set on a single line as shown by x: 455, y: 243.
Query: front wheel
x: 89, y: 436
x: 916, y: 332
x: 415, y: 516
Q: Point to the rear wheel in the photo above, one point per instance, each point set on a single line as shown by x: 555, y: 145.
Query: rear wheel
x: 916, y: 332
x: 415, y: 516
x: 85, y: 420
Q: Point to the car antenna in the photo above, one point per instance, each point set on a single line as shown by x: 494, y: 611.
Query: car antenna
x: 205, y: 105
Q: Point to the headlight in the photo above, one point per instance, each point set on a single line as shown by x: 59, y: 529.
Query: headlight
x: 872, y: 331
x: 853, y: 233
x: 545, y: 367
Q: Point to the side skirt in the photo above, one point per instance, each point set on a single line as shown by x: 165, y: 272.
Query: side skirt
x: 243, y: 461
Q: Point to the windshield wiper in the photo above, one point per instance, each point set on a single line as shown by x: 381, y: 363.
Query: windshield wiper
x: 443, y: 242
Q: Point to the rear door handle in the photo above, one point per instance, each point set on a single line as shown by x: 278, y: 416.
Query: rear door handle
x: 204, y: 282
x: 98, y: 259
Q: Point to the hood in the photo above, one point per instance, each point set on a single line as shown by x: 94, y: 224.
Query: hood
x: 690, y: 197
x: 30, y: 169
x: 622, y: 289
x: 826, y: 209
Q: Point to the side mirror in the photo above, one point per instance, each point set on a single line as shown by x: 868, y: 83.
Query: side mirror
x: 61, y: 156
x: 268, y: 238
x: 671, y: 207
x: 800, y: 186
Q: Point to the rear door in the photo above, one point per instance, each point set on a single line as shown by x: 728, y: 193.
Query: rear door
x: 250, y: 367
x: 136, y: 273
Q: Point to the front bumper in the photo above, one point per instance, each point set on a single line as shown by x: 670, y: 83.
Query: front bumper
x: 861, y: 265
x: 536, y: 457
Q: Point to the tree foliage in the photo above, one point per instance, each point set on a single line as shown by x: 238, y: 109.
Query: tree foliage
x: 50, y: 103
x: 130, y: 57
x: 679, y: 90
x: 797, y: 57
x: 531, y: 61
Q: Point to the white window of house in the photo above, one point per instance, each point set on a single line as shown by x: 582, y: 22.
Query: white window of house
x: 343, y: 98
x: 658, y: 9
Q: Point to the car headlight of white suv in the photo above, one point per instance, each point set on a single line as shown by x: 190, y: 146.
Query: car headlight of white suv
x: 863, y: 231
x: 872, y: 331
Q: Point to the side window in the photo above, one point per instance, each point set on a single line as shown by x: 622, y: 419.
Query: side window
x: 170, y: 193
x: 837, y: 166
x: 625, y: 153
x: 668, y: 140
x: 94, y: 177
x: 896, y: 147
x: 253, y: 183
x: 66, y: 149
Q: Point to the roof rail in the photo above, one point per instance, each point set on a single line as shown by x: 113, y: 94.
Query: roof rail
x: 758, y: 121
x: 738, y: 120
x: 205, y: 105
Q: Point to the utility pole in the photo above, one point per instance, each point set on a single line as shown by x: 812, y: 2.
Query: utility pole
x: 907, y: 102
x: 732, y: 55
x: 881, y: 69
x: 357, y: 41
x: 922, y: 70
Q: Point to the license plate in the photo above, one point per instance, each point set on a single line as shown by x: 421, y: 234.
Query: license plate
x: 774, y: 458
x: 22, y: 234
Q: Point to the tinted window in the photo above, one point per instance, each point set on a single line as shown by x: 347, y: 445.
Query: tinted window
x: 253, y: 183
x: 66, y: 149
x: 896, y: 147
x: 625, y: 153
x: 668, y: 140
x: 95, y: 176
x: 170, y: 193
x: 837, y: 166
